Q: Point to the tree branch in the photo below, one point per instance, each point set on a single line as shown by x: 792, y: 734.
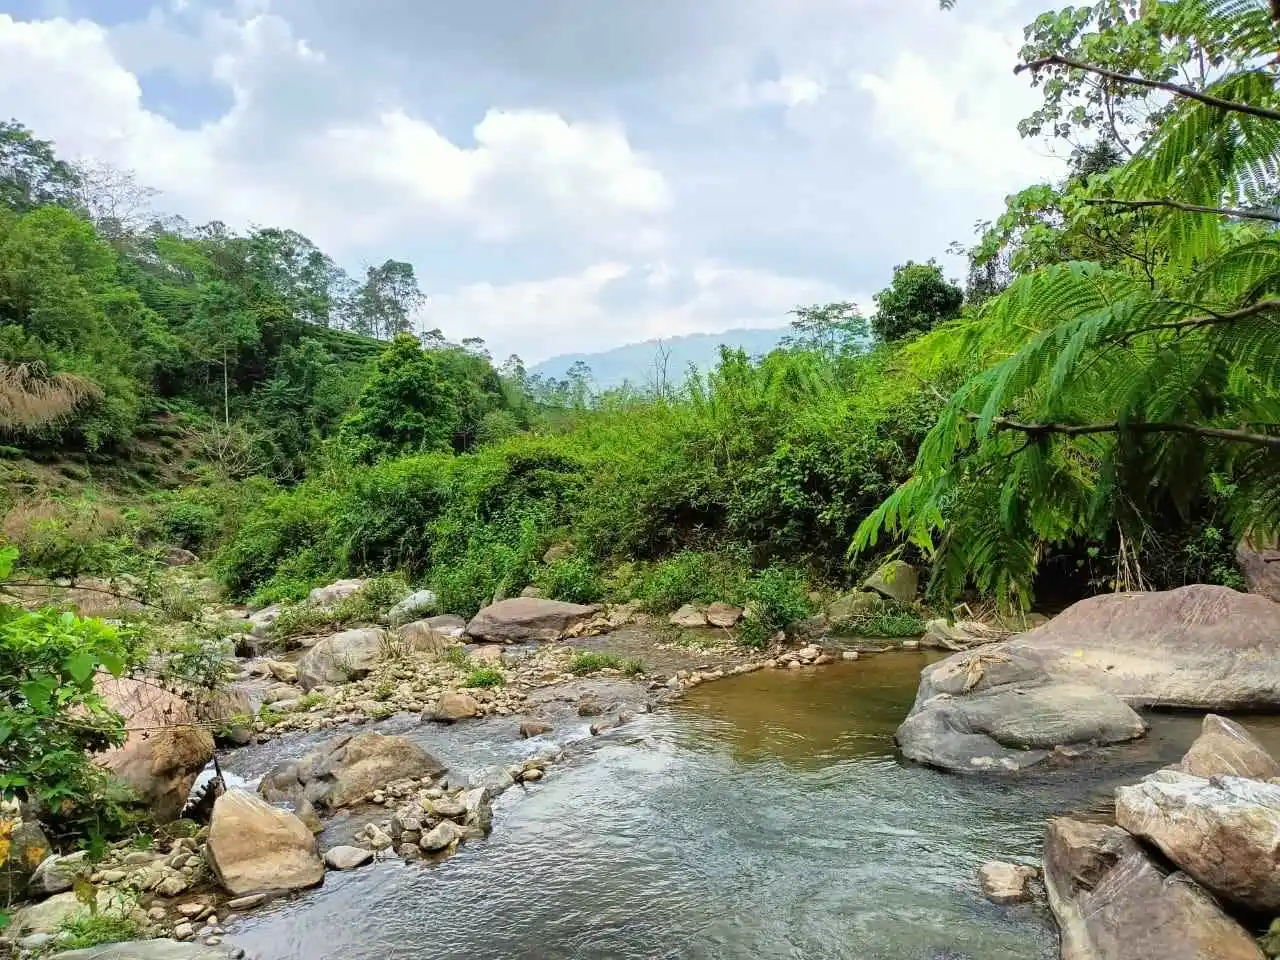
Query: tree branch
x: 1190, y: 207
x: 1194, y: 323
x: 1177, y: 89
x: 1086, y: 429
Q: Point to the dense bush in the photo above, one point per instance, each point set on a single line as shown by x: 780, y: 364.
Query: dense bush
x: 68, y: 538
x: 51, y: 718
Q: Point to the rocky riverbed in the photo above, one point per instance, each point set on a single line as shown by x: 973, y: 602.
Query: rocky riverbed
x: 403, y: 759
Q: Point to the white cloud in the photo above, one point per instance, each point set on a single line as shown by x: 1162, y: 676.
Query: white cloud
x: 790, y: 90
x: 346, y: 182
x: 611, y: 303
x: 953, y: 111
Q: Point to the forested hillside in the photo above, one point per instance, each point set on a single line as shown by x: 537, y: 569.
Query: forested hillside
x: 1096, y: 405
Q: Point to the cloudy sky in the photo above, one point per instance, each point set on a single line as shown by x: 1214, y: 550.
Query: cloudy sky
x: 564, y: 174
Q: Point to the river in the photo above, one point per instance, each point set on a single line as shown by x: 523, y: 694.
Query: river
x: 763, y: 816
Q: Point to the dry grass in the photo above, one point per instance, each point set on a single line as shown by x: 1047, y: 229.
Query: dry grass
x: 31, y: 397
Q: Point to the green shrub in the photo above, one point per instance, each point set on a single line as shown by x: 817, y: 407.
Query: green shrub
x: 776, y: 599
x: 91, y: 929
x: 591, y: 662
x: 574, y: 579
x: 68, y: 538
x: 183, y: 523
x: 369, y: 604
x: 893, y: 621
x: 282, y: 538
x: 53, y: 719
x: 458, y: 657
x: 485, y: 677
x: 632, y: 668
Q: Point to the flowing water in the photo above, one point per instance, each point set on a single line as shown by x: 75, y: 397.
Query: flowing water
x: 766, y: 816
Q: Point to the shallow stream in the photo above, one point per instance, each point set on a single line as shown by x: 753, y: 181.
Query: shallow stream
x: 765, y: 816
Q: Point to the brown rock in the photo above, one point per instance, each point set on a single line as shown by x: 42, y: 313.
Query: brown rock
x: 689, y: 617
x: 1006, y: 882
x: 456, y: 706
x: 527, y: 618
x: 1199, y: 646
x: 724, y: 615
x: 1113, y: 903
x: 341, y: 658
x: 1226, y: 749
x: 284, y: 672
x: 1223, y: 832
x: 490, y: 655
x: 1260, y: 564
x: 533, y: 728
x: 166, y: 749
x: 257, y: 848
x: 343, y: 771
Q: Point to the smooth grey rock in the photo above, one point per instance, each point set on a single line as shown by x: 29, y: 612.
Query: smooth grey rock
x: 57, y: 874
x: 339, y: 590
x: 341, y: 658
x: 347, y: 858
x: 419, y: 604
x: 1002, y: 714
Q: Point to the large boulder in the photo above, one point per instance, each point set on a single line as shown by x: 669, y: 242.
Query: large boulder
x: 997, y: 712
x: 1198, y: 647
x: 345, y: 770
x: 419, y: 604
x: 257, y: 848
x: 456, y: 705
x: 27, y: 849
x: 149, y: 950
x: 689, y: 617
x: 1222, y: 831
x: 229, y: 712
x: 261, y: 621
x: 1226, y: 749
x: 166, y: 748
x: 527, y: 618
x: 1113, y: 903
x: 424, y: 637
x: 1260, y: 564
x: 341, y: 658
x: 896, y: 580
x: 58, y: 874
x: 339, y: 590
x: 723, y: 615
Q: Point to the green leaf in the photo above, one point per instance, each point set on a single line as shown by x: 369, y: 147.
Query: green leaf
x: 113, y: 662
x: 39, y: 691
x: 81, y: 665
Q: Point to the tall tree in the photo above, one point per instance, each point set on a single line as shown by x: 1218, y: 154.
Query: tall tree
x: 1128, y: 394
x: 919, y: 299
x: 31, y: 173
x: 386, y: 302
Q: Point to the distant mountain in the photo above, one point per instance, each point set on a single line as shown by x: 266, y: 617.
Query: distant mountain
x: 635, y: 361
